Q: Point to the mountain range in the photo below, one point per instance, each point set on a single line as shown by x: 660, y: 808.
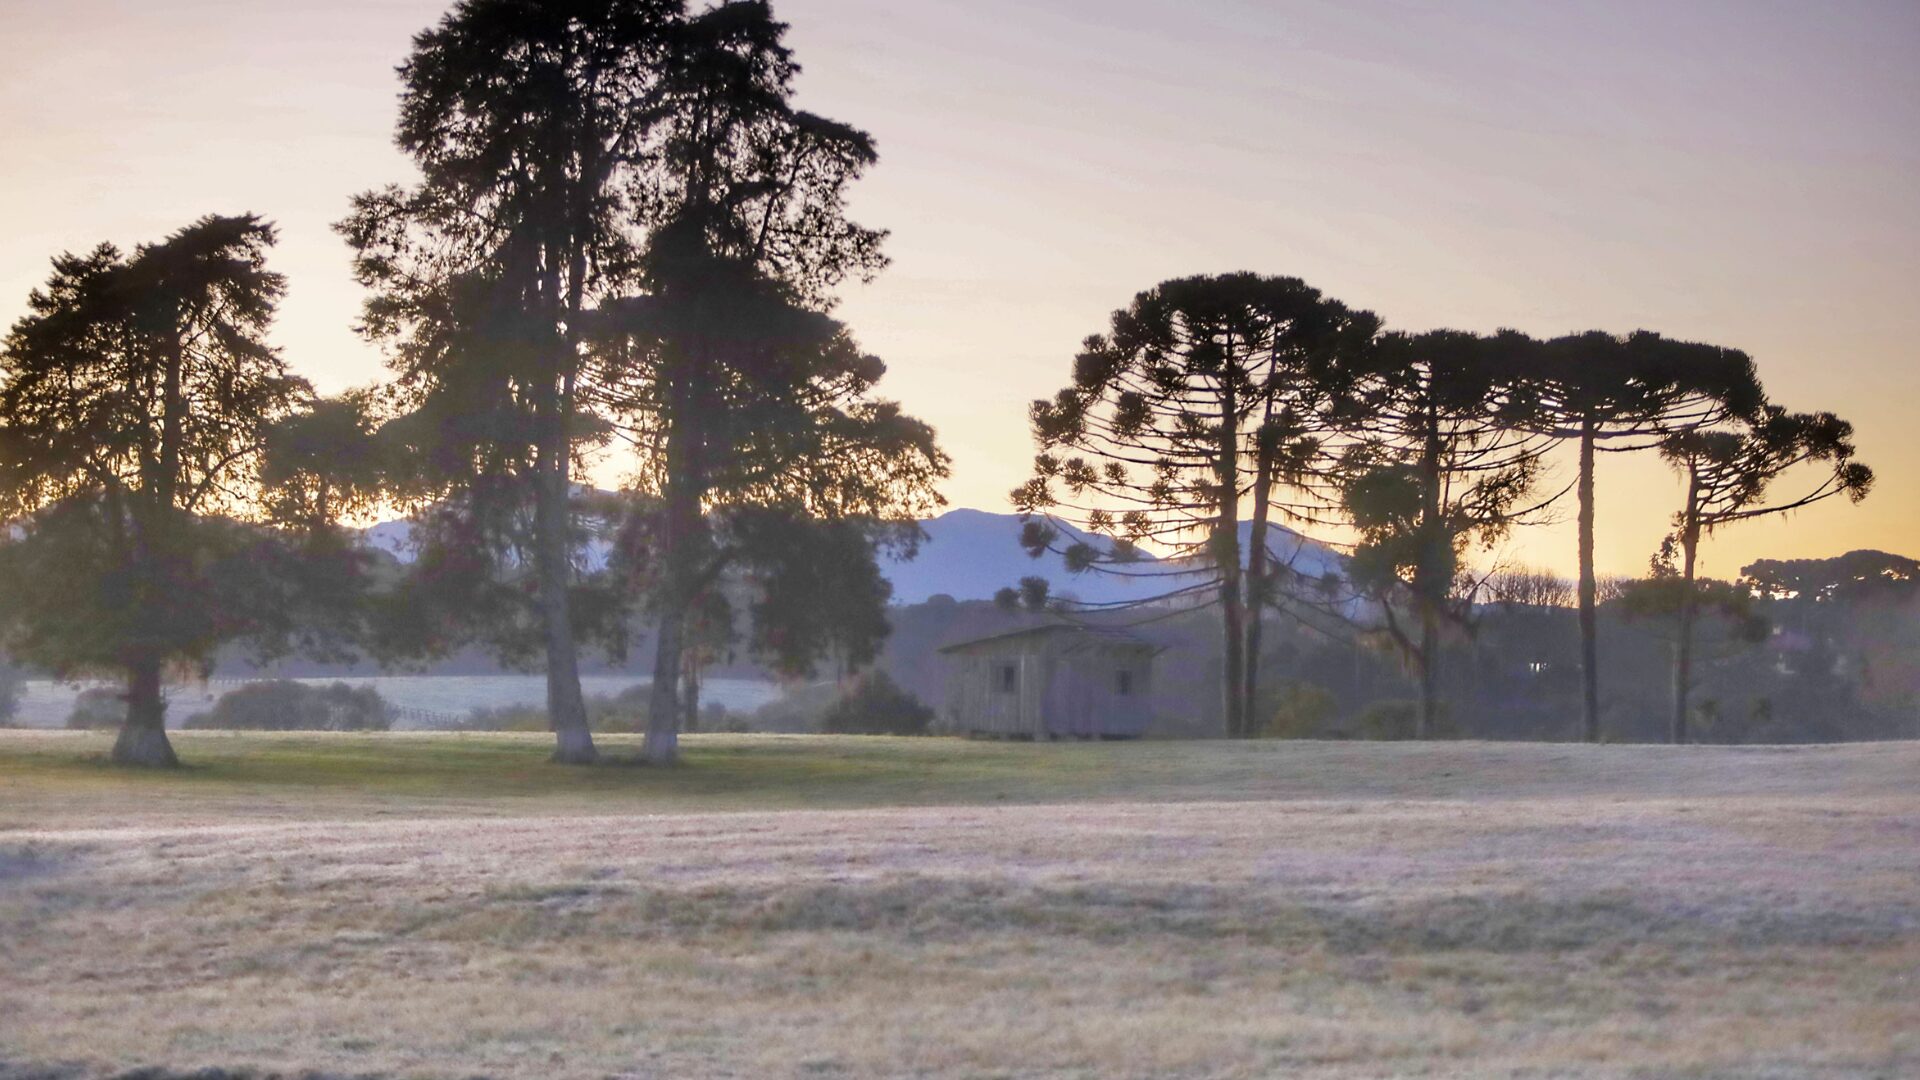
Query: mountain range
x: 972, y: 554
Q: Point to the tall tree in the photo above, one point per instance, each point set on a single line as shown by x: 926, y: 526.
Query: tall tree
x: 553, y: 139
x: 135, y: 400
x: 1447, y: 461
x: 1619, y: 394
x: 739, y: 399
x: 530, y: 125
x: 1728, y: 476
x: 1204, y: 396
x: 758, y: 181
x: 748, y: 195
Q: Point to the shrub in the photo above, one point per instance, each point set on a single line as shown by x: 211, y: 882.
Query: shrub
x: 506, y: 718
x: 1396, y: 718
x: 1302, y: 710
x: 717, y: 717
x: 876, y: 705
x: 100, y: 707
x: 285, y: 705
x: 1393, y: 718
x: 622, y: 712
x: 801, y: 707
x: 632, y: 702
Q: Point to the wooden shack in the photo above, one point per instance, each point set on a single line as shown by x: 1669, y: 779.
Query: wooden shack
x: 1058, y: 680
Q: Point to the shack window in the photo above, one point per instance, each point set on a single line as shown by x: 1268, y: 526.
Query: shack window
x: 1123, y: 683
x: 1007, y: 678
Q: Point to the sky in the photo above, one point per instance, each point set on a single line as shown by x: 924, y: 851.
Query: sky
x: 1739, y: 172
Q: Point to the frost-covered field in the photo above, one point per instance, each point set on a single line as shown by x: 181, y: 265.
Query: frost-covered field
x: 845, y: 907
x: 46, y: 703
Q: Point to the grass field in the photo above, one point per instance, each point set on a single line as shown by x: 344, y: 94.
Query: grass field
x: 444, y: 905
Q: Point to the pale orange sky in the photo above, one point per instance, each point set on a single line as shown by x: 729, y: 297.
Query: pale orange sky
x: 1740, y: 172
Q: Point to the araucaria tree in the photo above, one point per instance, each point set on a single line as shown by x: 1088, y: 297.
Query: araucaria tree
x: 1728, y: 474
x: 1619, y: 394
x: 135, y: 400
x: 1206, y: 395
x: 1447, y: 461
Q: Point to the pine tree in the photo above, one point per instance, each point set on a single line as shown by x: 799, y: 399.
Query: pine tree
x: 136, y: 397
x: 749, y: 413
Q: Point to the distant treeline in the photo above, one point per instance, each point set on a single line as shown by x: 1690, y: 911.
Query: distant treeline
x: 1826, y: 650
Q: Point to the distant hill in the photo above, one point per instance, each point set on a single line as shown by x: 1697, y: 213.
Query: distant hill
x: 396, y: 539
x: 971, y: 554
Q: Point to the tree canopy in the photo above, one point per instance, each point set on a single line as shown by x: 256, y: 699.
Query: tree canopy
x: 1205, y: 392
x: 571, y: 155
x: 136, y: 399
x: 1627, y: 393
x: 1729, y: 475
x: 757, y: 437
x: 1446, y: 461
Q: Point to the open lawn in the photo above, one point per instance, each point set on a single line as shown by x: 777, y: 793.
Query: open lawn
x: 449, y: 905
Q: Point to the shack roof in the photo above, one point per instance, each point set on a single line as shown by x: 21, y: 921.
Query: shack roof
x: 1112, y: 637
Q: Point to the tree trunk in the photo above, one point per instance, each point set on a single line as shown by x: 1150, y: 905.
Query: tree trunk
x: 1233, y: 622
x: 143, y: 737
x: 1256, y: 586
x: 1683, y: 647
x: 662, y: 745
x: 682, y: 510
x: 1430, y: 588
x: 566, y: 706
x: 1589, y: 619
x: 690, y: 694
x: 1226, y: 544
x: 1425, y: 722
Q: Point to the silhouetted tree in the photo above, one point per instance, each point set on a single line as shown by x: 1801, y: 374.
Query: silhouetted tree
x: 137, y: 396
x: 816, y: 591
x: 1206, y: 394
x: 1445, y: 463
x: 748, y: 195
x: 326, y: 462
x: 532, y: 126
x: 1855, y: 611
x: 1034, y: 593
x: 1727, y: 475
x: 1618, y: 394
x: 1855, y: 576
x: 1526, y: 587
x: 1668, y: 596
x: 738, y: 399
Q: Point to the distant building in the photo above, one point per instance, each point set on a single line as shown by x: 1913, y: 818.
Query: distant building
x: 1057, y: 680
